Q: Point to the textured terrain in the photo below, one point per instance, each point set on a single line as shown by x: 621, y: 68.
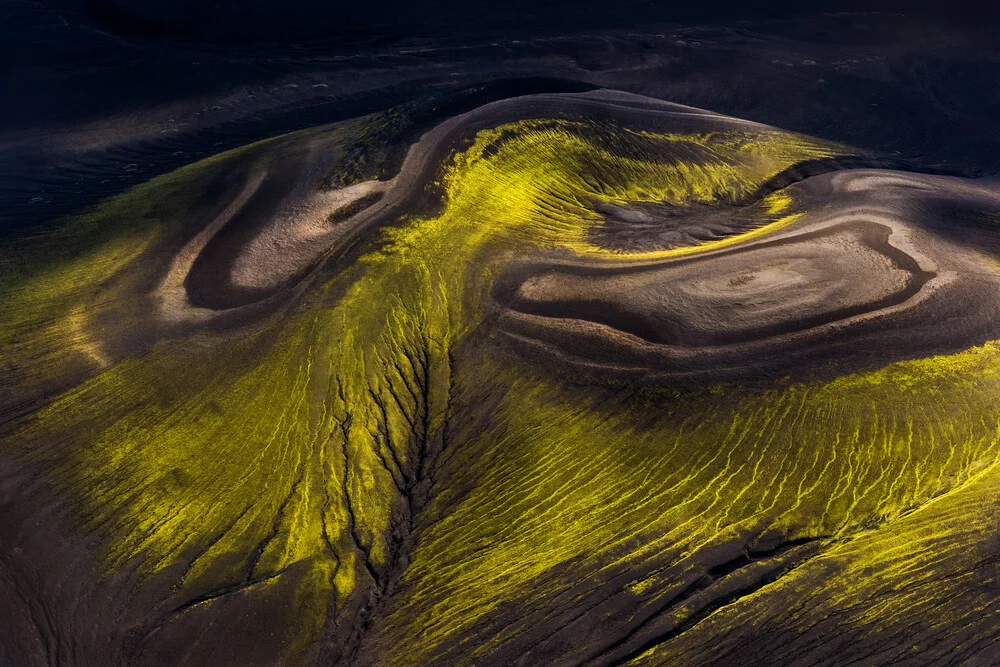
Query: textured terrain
x: 568, y: 377
x: 251, y: 435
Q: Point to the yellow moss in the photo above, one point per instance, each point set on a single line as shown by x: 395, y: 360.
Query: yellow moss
x: 572, y: 483
x: 299, y: 443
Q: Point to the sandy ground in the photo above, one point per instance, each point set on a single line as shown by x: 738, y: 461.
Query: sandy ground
x: 876, y: 271
x: 93, y: 112
x: 867, y: 262
x: 276, y: 228
x: 859, y: 263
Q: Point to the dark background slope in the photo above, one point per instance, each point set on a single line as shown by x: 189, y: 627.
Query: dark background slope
x: 102, y: 94
x: 267, y: 20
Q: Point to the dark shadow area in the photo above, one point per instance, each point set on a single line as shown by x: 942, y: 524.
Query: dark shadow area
x: 225, y: 21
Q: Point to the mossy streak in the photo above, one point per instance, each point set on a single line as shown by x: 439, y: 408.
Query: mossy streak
x: 298, y: 449
x: 574, y: 480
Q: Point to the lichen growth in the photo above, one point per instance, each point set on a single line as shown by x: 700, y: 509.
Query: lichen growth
x: 303, y: 443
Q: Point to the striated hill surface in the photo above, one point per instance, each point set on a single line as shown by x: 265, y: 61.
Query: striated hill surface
x: 473, y: 354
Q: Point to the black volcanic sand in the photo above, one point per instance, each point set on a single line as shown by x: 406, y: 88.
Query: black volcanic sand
x: 292, y: 170
x: 749, y: 295
x: 899, y: 265
x: 866, y: 276
x: 94, y: 112
x: 837, y: 288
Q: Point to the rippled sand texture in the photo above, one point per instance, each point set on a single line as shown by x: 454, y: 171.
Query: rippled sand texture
x: 593, y: 378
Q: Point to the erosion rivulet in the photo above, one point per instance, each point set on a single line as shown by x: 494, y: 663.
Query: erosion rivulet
x: 468, y: 424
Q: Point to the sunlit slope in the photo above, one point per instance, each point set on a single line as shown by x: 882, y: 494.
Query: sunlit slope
x: 364, y: 452
x: 657, y: 496
x: 922, y: 588
x: 55, y: 283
